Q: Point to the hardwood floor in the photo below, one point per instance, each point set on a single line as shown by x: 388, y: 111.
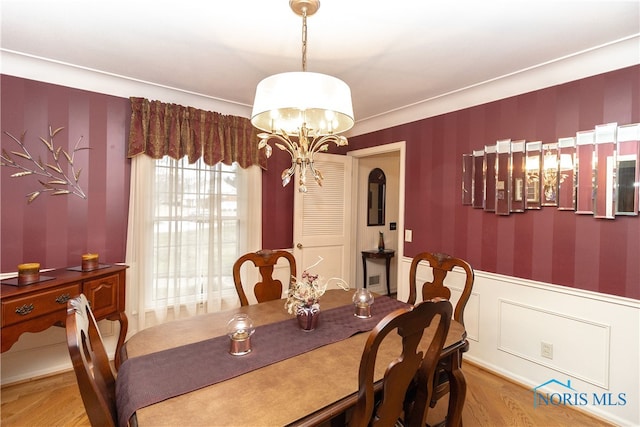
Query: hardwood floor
x: 491, y: 401
x: 50, y: 401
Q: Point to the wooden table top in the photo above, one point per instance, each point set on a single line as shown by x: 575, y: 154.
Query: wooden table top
x: 279, y: 394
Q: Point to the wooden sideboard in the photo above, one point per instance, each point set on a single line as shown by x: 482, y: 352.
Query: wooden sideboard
x: 36, y: 307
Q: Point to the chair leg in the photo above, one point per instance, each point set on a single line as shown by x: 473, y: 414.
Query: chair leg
x: 457, y: 392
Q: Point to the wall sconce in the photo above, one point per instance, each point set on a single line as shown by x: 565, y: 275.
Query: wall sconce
x: 362, y: 301
x: 240, y: 328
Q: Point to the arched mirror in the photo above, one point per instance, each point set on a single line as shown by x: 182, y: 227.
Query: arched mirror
x: 376, y: 196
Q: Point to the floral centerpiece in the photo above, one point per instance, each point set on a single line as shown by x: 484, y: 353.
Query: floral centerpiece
x: 305, y: 292
x: 303, y: 298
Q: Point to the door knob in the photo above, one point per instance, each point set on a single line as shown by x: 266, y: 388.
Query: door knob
x: 299, y: 246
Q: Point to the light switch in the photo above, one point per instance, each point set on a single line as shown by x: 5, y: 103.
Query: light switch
x: 408, y: 235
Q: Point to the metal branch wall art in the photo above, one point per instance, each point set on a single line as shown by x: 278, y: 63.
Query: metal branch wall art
x: 55, y: 177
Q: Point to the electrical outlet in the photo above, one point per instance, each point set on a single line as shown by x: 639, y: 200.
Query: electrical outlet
x: 546, y: 350
x: 408, y: 235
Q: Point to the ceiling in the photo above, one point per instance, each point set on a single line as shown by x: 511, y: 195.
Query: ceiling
x: 392, y: 54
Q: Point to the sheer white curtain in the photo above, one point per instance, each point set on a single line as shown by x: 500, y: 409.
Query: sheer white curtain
x: 187, y: 225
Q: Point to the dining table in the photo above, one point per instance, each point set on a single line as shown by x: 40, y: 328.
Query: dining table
x: 305, y: 387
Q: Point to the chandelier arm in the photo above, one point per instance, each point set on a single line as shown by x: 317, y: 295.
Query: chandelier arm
x: 291, y: 146
x: 317, y: 174
x: 317, y: 143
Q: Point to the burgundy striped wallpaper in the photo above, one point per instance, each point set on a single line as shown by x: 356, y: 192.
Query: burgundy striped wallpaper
x: 548, y: 245
x: 56, y: 230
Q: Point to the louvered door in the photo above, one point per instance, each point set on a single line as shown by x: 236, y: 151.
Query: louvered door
x: 322, y: 220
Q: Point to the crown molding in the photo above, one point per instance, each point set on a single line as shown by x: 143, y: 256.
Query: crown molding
x: 601, y: 59
x: 31, y: 67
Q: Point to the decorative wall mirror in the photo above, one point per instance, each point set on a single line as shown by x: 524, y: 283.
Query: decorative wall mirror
x: 517, y: 176
x: 532, y: 168
x: 467, y: 179
x: 605, y: 169
x: 584, y: 170
x: 549, y: 174
x: 596, y: 172
x: 478, y: 179
x: 503, y: 177
x: 490, y: 158
x: 377, y: 185
x: 566, y: 174
x: 628, y: 173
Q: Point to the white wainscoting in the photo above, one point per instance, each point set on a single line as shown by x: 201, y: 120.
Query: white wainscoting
x: 564, y: 333
x: 44, y: 353
x: 595, y: 337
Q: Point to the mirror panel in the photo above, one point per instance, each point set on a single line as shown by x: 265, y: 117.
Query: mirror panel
x: 503, y: 177
x: 478, y: 179
x: 490, y: 158
x: 467, y: 179
x: 566, y: 178
x: 532, y: 167
x: 550, y: 174
x: 376, y: 197
x: 605, y: 170
x: 517, y: 176
x: 584, y: 171
x: 628, y: 174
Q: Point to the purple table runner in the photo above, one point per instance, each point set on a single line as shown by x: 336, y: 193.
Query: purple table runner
x: 152, y: 378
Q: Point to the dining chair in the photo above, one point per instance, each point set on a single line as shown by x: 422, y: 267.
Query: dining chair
x: 441, y: 264
x: 411, y: 370
x: 94, y: 374
x: 268, y: 288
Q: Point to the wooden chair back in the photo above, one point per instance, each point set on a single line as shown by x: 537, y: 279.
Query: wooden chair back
x: 441, y: 265
x: 268, y: 288
x: 94, y: 374
x: 412, y: 368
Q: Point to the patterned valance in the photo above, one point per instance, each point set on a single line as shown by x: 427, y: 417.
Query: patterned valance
x: 159, y: 129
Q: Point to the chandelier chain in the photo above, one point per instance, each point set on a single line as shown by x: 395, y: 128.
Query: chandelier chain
x: 304, y: 39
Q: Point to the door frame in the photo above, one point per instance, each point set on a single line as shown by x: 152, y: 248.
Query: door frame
x: 400, y: 147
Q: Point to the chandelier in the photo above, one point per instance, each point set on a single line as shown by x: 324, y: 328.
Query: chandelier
x: 302, y: 111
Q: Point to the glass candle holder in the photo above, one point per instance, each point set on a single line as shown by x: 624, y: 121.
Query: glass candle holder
x: 239, y: 329
x: 362, y: 301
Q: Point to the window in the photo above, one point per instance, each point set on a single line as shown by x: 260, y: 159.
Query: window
x: 196, y: 231
x: 188, y: 223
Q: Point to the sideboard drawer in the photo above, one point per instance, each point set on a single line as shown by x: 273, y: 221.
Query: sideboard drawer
x: 24, y: 308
